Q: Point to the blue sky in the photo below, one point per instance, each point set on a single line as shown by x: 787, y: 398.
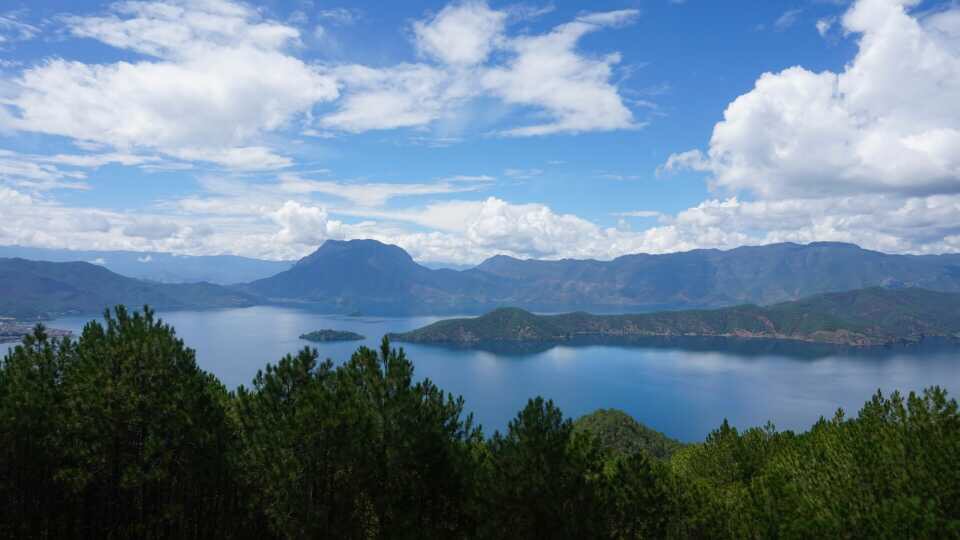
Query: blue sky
x: 464, y: 129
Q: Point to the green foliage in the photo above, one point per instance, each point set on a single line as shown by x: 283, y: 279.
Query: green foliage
x: 541, y: 479
x: 121, y: 435
x: 640, y: 498
x: 352, y: 451
x: 31, y: 445
x: 889, y: 473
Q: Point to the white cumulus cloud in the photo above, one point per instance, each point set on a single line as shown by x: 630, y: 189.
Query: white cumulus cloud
x: 406, y: 95
x: 305, y: 225
x: 546, y: 73
x: 215, y: 78
x: 889, y: 122
x: 462, y: 34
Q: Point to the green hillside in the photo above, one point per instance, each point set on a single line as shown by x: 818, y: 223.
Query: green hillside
x: 621, y: 435
x: 35, y: 289
x: 873, y: 316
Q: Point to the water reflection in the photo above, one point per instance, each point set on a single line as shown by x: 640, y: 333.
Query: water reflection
x: 740, y: 347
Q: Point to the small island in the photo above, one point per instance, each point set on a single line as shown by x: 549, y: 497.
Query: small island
x: 327, y: 335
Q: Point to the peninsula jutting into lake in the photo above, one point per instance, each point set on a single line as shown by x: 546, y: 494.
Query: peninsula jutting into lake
x: 866, y: 317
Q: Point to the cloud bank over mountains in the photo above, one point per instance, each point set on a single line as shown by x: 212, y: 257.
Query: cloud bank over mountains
x: 869, y: 154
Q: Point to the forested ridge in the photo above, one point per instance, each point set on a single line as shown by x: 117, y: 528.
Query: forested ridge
x: 119, y: 434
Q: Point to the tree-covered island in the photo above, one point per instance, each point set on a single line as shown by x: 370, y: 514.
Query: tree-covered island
x: 327, y: 335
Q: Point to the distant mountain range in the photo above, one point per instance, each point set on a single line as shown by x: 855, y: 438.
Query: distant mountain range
x: 368, y: 277
x: 865, y: 317
x: 715, y: 278
x: 162, y: 267
x: 37, y: 289
x: 373, y: 278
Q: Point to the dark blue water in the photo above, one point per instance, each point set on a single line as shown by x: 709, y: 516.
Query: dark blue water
x: 684, y: 388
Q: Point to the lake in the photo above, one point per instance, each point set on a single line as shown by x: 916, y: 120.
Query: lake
x: 682, y: 387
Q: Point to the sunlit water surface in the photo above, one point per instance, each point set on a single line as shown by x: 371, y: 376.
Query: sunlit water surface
x: 684, y: 388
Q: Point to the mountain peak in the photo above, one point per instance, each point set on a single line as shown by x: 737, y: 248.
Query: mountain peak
x: 364, y: 248
x: 362, y: 276
x: 498, y: 258
x: 499, y: 264
x: 335, y: 244
x: 842, y: 245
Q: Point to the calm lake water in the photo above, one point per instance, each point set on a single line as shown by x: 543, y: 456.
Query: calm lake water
x: 684, y: 388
